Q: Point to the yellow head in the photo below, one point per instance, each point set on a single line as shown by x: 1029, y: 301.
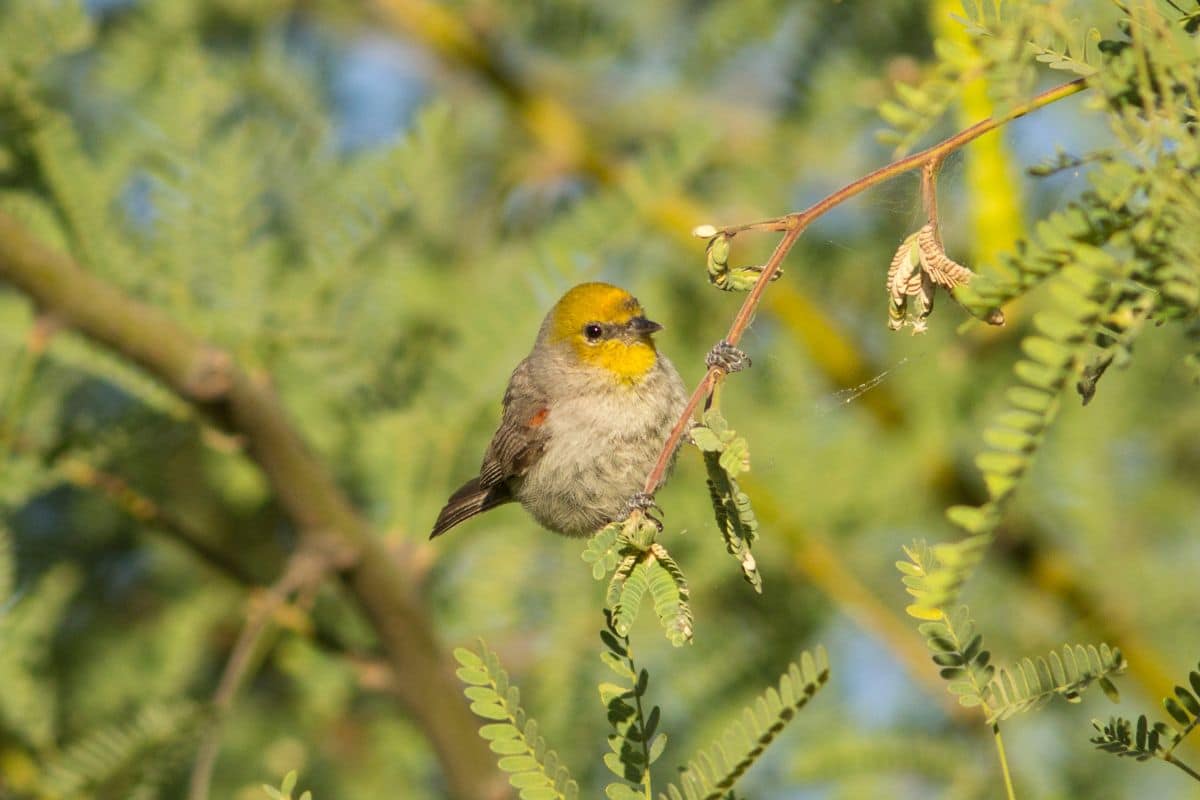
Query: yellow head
x: 605, y: 328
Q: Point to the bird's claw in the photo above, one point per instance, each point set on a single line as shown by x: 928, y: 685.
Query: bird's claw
x: 727, y: 357
x: 644, y: 502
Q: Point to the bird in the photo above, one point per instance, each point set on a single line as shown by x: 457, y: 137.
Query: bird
x: 585, y: 416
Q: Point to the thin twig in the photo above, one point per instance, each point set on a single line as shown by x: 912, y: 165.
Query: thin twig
x: 572, y: 146
x: 1170, y: 759
x: 793, y: 225
x: 306, y: 568
x: 117, y: 490
x: 374, y: 673
x: 1008, y: 782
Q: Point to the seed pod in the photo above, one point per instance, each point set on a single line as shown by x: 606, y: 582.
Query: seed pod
x: 943, y: 270
x: 903, y: 280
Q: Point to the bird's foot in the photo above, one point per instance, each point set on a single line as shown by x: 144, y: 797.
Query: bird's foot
x: 644, y: 502
x: 727, y: 357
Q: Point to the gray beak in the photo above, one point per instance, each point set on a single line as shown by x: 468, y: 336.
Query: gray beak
x: 643, y: 326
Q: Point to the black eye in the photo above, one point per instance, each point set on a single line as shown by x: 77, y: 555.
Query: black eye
x: 592, y: 331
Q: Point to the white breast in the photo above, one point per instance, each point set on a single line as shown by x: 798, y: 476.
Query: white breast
x: 603, y: 442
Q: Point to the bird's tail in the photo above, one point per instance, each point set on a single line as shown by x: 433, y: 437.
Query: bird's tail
x: 469, y: 500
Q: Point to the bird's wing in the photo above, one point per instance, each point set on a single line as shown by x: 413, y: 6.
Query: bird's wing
x: 521, y: 437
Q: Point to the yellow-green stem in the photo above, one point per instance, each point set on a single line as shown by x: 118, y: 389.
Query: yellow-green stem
x: 1008, y: 784
x: 1170, y: 759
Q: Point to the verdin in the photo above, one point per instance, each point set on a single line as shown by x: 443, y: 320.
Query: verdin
x: 585, y: 417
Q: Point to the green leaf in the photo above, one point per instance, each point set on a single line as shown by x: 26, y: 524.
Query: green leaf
x: 717, y: 769
x: 621, y: 791
x: 706, y: 440
x: 472, y: 675
x: 670, y: 595
x: 628, y: 596
x: 289, y: 782
x: 735, y: 459
x: 603, y: 550
x: 489, y: 710
x: 1001, y: 463
x: 613, y: 643
x: 535, y: 768
x: 467, y: 659
x: 611, y: 691
x: 1176, y: 711
x: 502, y: 730
x: 1047, y: 352
x: 1188, y: 701
x: 618, y: 665
x: 1036, y: 400
x: 540, y: 793
x: 1040, y: 376
x: 109, y: 752
x: 508, y: 746
x: 657, y: 745
x: 522, y: 763
x: 482, y: 694
x: 971, y: 519
x: 999, y: 485
x: 1025, y: 421
x: 735, y: 517
x: 1031, y: 683
x: 1057, y: 325
x: 528, y: 780
x: 1009, y: 440
x: 614, y: 764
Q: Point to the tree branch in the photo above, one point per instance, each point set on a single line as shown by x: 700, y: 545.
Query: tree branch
x: 210, y: 379
x: 141, y: 508
x: 306, y: 569
x: 451, y: 39
x: 571, y: 143
x: 793, y: 225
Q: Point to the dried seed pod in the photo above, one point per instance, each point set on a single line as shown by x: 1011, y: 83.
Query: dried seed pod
x: 919, y: 265
x: 943, y: 270
x: 924, y: 295
x: 903, y: 281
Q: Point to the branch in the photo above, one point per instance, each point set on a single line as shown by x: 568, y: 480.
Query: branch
x: 1170, y: 759
x: 571, y: 143
x: 306, y: 569
x: 147, y: 512
x: 451, y: 39
x: 793, y: 225
x: 211, y: 380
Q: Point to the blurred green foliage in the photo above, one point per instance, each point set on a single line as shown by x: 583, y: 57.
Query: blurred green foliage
x: 373, y: 208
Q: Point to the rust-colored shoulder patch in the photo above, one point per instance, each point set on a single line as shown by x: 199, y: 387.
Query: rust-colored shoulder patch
x: 537, y: 419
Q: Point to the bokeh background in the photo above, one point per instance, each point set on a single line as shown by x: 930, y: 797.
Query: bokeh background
x: 374, y: 204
